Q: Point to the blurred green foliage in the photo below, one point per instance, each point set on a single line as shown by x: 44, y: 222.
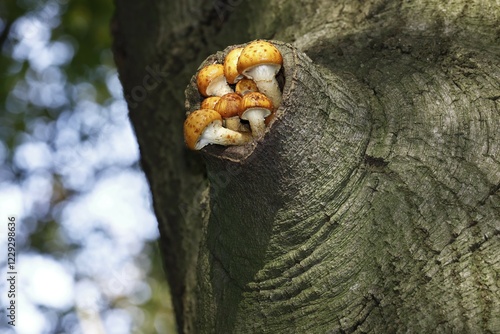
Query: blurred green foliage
x: 36, y: 101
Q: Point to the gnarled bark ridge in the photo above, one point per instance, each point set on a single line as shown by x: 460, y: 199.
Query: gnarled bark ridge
x: 372, y: 203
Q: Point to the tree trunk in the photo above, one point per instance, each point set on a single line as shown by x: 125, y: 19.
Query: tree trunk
x: 371, y: 205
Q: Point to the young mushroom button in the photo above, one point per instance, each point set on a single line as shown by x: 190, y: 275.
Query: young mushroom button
x: 210, y: 102
x: 229, y: 106
x: 211, y: 81
x: 204, y: 126
x: 245, y: 86
x: 261, y: 61
x: 255, y: 108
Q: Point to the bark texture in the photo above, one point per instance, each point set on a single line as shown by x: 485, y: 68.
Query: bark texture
x: 372, y: 204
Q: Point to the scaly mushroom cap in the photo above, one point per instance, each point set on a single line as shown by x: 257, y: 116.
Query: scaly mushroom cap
x: 210, y: 102
x: 259, y: 53
x: 229, y: 105
x: 245, y: 86
x: 207, y: 75
x: 256, y: 107
x: 231, y: 66
x: 195, y: 124
x: 255, y: 100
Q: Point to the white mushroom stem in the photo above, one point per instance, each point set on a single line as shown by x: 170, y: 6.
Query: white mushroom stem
x: 270, y: 88
x: 264, y: 77
x: 234, y: 123
x: 214, y: 133
x: 256, y: 117
x: 219, y: 87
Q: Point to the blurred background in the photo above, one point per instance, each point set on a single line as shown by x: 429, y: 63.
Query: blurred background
x: 87, y: 258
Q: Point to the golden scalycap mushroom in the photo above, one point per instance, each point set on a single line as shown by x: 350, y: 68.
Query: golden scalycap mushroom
x: 231, y: 66
x: 261, y: 61
x: 212, y: 82
x: 259, y: 53
x: 255, y: 108
x: 209, y: 102
x: 204, y: 126
x: 245, y: 86
x: 229, y: 106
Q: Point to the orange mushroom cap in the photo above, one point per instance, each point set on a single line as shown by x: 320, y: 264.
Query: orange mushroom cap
x: 258, y: 53
x: 209, y: 102
x: 213, y: 73
x: 231, y: 66
x: 256, y: 107
x: 255, y: 100
x: 203, y: 127
x: 229, y: 105
x: 245, y: 86
x: 195, y: 124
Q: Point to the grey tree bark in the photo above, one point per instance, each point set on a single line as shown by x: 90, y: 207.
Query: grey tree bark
x: 372, y: 205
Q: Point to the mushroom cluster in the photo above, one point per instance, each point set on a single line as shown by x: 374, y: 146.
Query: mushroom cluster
x: 239, y: 95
